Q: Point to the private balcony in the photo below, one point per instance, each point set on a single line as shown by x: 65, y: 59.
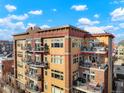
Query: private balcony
x: 94, y: 41
x: 93, y: 50
x: 91, y: 64
x: 39, y: 64
x: 89, y: 87
x: 33, y: 88
x: 37, y: 49
x: 41, y: 49
x: 28, y: 48
x: 34, y: 76
x: 28, y: 61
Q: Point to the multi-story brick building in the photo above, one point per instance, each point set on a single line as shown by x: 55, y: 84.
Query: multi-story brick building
x: 6, y: 47
x: 63, y: 59
x: 118, y: 70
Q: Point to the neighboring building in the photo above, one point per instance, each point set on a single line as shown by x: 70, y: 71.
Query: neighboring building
x: 6, y: 47
x: 7, y: 69
x: 63, y: 60
x: 120, y: 52
x: 119, y: 69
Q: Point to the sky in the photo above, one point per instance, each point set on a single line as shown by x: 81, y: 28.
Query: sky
x: 94, y: 16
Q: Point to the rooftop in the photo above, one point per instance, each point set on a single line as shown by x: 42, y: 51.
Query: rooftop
x: 38, y: 29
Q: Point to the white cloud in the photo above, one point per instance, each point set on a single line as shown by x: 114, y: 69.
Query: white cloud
x: 49, y: 20
x: 36, y: 12
x: 117, y: 2
x: 94, y: 29
x: 10, y: 8
x: 54, y: 10
x: 118, y: 14
x: 18, y: 17
x: 101, y: 29
x: 109, y: 28
x: 79, y: 7
x: 86, y: 22
x: 121, y: 25
x: 96, y: 16
x: 44, y: 26
x: 31, y: 25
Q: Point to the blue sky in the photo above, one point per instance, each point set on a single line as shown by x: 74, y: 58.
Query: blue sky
x: 95, y: 16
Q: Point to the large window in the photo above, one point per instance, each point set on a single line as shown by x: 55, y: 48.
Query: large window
x: 57, y: 59
x: 57, y: 74
x: 56, y: 89
x: 57, y: 43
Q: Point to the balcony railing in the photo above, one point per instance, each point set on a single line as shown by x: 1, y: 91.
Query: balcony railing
x: 28, y: 61
x: 28, y: 48
x: 34, y: 76
x: 92, y: 49
x: 33, y: 88
x: 93, y: 65
x: 41, y: 49
x: 88, y: 87
x: 39, y: 64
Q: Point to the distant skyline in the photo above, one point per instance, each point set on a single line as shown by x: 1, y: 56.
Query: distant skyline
x: 95, y: 16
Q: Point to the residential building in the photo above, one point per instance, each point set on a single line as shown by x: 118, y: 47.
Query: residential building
x: 6, y: 47
x: 63, y: 59
x: 119, y: 69
x: 7, y: 69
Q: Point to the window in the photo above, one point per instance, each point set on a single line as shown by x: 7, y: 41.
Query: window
x: 20, y: 76
x: 92, y: 75
x: 45, y: 59
x: 19, y: 54
x: 57, y: 59
x: 20, y: 64
x: 45, y: 85
x: 57, y: 43
x: 75, y: 59
x: 57, y: 74
x: 37, y: 46
x: 76, y: 43
x: 56, y: 89
x: 37, y: 58
x: 75, y: 75
x: 46, y: 72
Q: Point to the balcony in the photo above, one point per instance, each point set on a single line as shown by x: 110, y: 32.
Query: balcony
x: 33, y: 88
x: 91, y: 64
x: 93, y: 50
x: 89, y: 87
x: 41, y: 49
x: 37, y: 49
x: 33, y: 76
x: 28, y: 61
x: 28, y: 48
x: 39, y: 64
